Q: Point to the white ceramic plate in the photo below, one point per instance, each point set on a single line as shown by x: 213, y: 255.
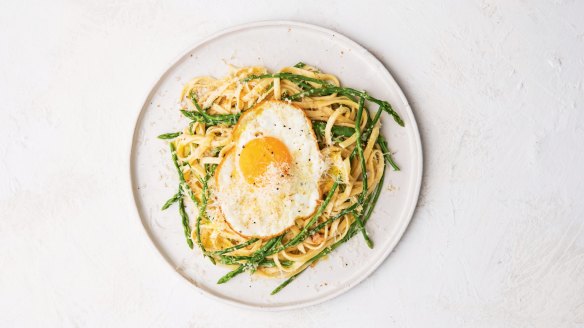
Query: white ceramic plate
x: 274, y: 44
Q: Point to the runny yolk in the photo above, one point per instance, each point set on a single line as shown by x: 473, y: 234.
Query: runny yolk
x: 258, y: 154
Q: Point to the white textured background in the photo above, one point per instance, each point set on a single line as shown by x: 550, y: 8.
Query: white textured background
x: 498, y: 91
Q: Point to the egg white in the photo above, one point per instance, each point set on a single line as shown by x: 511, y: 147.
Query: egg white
x: 269, y: 208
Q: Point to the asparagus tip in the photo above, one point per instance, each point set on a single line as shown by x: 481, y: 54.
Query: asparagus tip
x: 224, y: 279
x: 370, y: 243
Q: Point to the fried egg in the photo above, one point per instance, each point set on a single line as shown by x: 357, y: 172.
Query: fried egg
x: 271, y: 177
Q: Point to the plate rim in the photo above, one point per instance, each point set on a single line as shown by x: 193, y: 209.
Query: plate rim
x: 401, y: 228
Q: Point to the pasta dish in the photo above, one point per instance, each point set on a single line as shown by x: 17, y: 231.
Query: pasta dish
x: 276, y: 170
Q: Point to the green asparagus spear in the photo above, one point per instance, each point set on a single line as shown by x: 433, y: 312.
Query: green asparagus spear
x: 171, y: 135
x: 359, y: 148
x: 172, y: 200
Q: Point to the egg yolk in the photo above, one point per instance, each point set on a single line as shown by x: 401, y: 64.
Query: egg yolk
x: 259, y: 154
